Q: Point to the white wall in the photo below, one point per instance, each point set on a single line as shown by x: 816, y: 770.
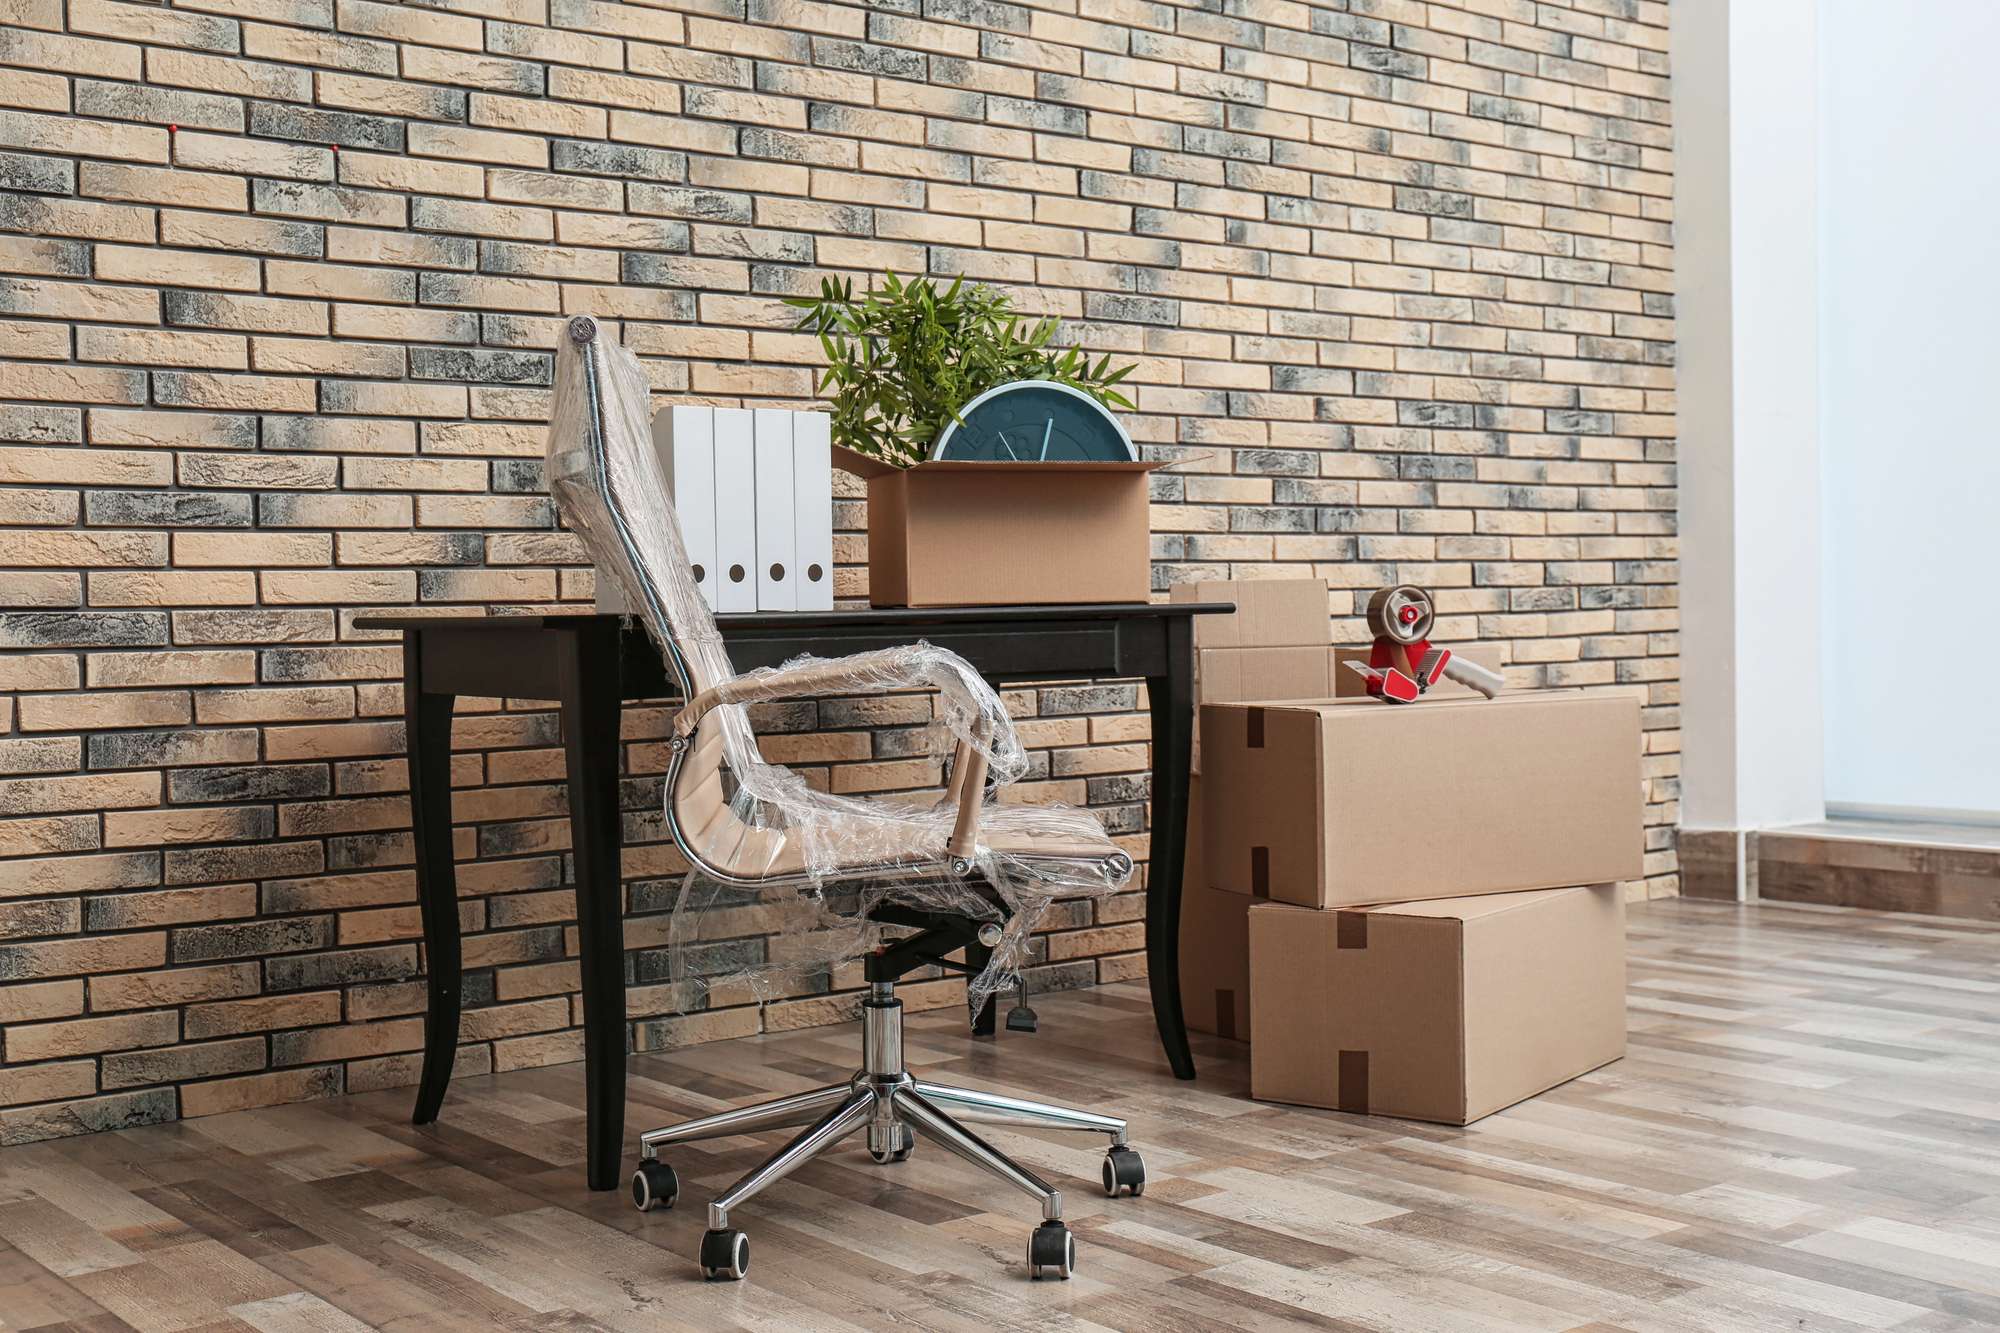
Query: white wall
x: 1909, y: 151
x: 1746, y: 279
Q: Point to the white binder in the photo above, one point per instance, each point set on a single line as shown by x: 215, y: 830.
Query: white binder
x: 735, y: 510
x: 684, y: 439
x: 812, y: 509
x: 777, y: 575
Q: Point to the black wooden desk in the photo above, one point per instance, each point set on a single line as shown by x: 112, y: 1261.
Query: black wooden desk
x: 590, y: 664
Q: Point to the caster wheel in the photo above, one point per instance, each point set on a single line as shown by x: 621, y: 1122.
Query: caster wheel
x: 906, y: 1140
x: 654, y: 1185
x: 725, y: 1255
x: 1051, y: 1252
x: 1124, y: 1172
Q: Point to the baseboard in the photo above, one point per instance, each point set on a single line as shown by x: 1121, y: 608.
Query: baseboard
x: 1887, y: 874
x: 1708, y: 864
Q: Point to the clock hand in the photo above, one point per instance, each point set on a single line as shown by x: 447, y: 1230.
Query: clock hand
x: 1046, y: 432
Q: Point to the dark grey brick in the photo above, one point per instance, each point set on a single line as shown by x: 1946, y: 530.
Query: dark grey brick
x: 519, y: 476
x: 252, y: 939
x: 479, y: 366
x: 349, y: 129
x: 228, y: 865
x: 625, y: 161
x: 347, y: 967
x: 40, y: 175
x: 128, y: 1110
x: 248, y: 782
x: 1065, y: 700
x: 167, y: 509
x: 864, y: 58
x: 689, y: 202
x: 83, y: 629
x: 700, y: 959
x: 369, y: 851
x: 160, y: 106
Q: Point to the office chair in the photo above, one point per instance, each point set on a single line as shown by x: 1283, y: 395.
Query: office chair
x: 962, y: 874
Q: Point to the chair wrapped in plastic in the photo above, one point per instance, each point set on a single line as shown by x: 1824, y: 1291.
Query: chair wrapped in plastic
x: 796, y: 880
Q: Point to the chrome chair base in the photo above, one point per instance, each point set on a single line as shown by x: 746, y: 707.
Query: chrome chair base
x: 894, y: 1107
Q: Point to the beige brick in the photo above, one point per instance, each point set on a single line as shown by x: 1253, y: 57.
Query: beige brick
x: 258, y: 157
x: 72, y: 384
x: 89, y: 1036
x: 262, y: 1014
x: 44, y: 999
x: 178, y: 268
x: 47, y: 1083
x: 82, y: 712
x: 242, y: 1094
x: 116, y: 670
x: 91, y: 138
x: 184, y: 985
x: 162, y: 347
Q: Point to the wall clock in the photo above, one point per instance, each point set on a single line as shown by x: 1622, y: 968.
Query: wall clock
x: 1035, y: 421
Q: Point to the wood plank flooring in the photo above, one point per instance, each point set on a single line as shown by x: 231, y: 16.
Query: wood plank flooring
x: 1806, y: 1134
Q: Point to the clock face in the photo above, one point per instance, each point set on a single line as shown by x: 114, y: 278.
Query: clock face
x: 1035, y: 421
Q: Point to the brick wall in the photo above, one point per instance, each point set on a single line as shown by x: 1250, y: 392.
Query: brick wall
x: 279, y: 284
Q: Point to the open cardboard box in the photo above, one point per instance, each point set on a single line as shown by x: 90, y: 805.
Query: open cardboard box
x: 951, y: 532
x: 1445, y: 1010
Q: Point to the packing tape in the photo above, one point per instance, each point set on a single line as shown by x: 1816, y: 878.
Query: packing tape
x: 1253, y: 728
x: 1350, y: 930
x: 1225, y: 1013
x: 1353, y: 1094
x: 1260, y: 872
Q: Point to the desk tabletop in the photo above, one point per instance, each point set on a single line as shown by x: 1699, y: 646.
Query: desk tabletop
x: 837, y: 618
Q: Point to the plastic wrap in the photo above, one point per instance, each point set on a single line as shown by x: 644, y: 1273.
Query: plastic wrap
x: 786, y: 875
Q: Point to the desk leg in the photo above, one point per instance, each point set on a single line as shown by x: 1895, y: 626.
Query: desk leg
x: 427, y: 725
x: 589, y: 681
x: 1172, y: 700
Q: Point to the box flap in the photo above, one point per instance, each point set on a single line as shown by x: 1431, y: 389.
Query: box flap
x: 863, y: 466
x: 1270, y: 613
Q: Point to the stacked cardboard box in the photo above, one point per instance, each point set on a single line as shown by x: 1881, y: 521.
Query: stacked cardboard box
x: 1277, y: 645
x: 1430, y: 918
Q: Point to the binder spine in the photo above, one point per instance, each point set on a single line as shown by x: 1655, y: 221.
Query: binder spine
x: 776, y: 547
x: 812, y: 508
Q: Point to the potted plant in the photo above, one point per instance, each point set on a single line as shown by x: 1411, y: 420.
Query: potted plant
x: 903, y: 359
x: 911, y: 366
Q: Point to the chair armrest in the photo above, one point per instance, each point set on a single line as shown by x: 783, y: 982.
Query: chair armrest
x: 986, y: 738
x: 971, y: 708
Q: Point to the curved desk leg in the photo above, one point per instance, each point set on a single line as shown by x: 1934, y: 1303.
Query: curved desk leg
x: 588, y: 676
x: 427, y: 724
x: 1171, y: 698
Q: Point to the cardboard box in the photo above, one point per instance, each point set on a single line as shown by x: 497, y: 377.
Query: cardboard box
x: 1353, y: 801
x: 1353, y: 685
x: 1442, y: 1011
x: 958, y: 533
x: 1215, y: 945
x: 1270, y: 613
x: 1239, y: 675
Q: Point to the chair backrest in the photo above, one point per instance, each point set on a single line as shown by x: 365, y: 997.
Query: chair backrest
x: 608, y: 483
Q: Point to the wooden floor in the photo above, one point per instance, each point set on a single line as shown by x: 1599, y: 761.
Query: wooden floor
x: 1806, y: 1134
